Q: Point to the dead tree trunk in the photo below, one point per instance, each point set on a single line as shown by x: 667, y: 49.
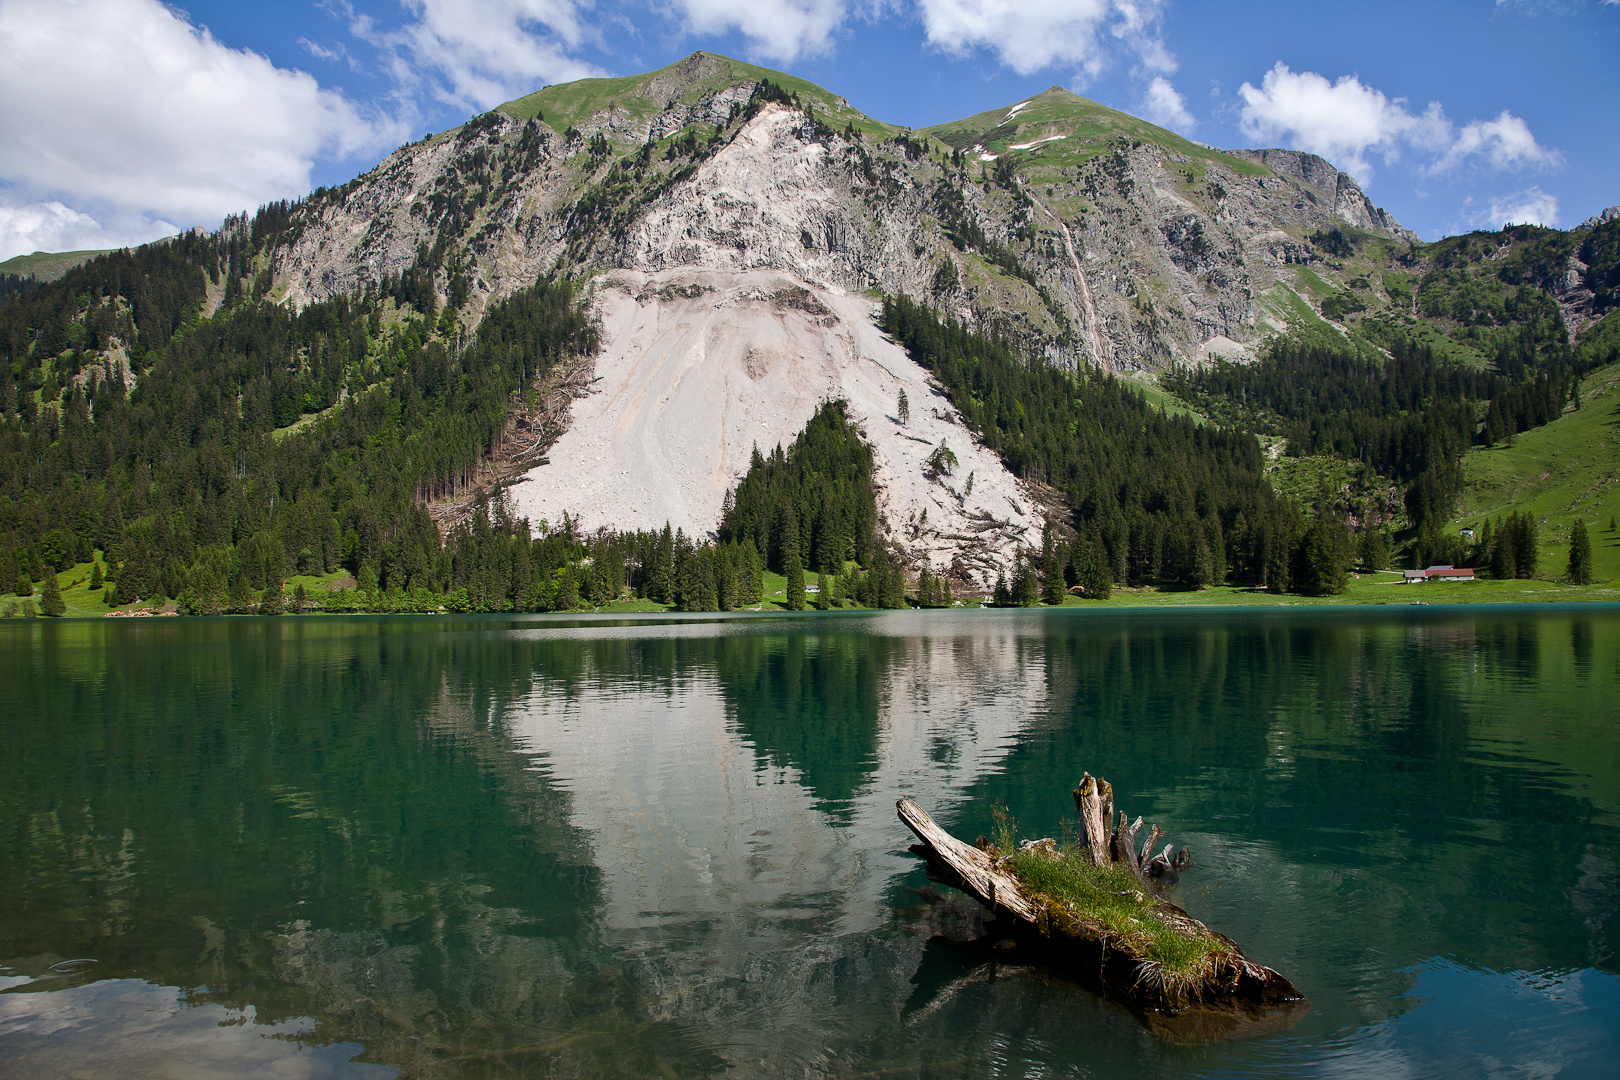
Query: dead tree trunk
x: 1068, y: 940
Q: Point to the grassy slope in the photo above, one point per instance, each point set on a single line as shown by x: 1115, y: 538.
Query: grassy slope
x: 1087, y: 126
x: 1566, y: 470
x: 48, y: 265
x: 570, y: 103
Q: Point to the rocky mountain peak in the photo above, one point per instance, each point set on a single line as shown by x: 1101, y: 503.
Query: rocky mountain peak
x: 1595, y: 220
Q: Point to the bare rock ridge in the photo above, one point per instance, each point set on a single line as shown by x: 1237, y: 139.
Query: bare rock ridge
x: 1598, y: 219
x: 1318, y: 177
x: 1090, y: 236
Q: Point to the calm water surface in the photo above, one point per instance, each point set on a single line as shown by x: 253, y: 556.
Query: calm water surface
x: 667, y: 847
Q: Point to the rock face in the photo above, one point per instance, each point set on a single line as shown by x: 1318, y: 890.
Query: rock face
x: 1326, y: 185
x: 1598, y: 219
x: 1130, y: 250
x: 1122, y: 252
x: 699, y: 367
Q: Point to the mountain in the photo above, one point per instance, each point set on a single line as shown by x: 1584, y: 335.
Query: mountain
x: 694, y: 204
x: 1091, y: 235
x: 600, y: 300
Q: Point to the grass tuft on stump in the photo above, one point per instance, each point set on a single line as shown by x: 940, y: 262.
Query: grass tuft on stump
x: 1107, y: 903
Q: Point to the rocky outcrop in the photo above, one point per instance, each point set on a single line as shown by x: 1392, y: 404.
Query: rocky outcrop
x: 1598, y: 219
x: 1125, y: 259
x: 1318, y: 180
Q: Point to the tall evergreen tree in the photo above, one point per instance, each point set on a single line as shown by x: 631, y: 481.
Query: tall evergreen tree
x: 793, y: 592
x: 1580, y: 555
x: 50, y: 601
x: 1052, y: 583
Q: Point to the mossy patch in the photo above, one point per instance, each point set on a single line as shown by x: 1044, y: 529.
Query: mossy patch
x: 1107, y: 904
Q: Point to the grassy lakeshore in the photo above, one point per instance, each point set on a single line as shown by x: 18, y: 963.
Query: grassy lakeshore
x: 1386, y: 587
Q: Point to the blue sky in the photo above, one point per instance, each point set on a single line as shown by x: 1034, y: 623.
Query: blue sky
x: 128, y: 119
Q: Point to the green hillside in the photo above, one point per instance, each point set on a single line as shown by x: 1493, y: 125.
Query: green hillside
x: 1063, y: 128
x: 1561, y: 471
x: 686, y: 82
x: 49, y: 265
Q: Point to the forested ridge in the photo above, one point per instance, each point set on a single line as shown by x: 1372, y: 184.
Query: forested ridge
x: 192, y: 481
x: 1384, y: 395
x: 208, y: 457
x: 159, y: 406
x: 1157, y: 499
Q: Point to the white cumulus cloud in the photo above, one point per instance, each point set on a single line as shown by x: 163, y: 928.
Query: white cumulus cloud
x: 1345, y: 121
x: 479, y: 53
x: 1028, y: 35
x: 1532, y: 206
x: 51, y: 226
x: 781, y: 30
x: 1505, y: 142
x: 121, y: 117
x: 1163, y: 104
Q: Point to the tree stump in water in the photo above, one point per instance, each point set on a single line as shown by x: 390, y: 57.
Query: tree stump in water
x: 1097, y: 908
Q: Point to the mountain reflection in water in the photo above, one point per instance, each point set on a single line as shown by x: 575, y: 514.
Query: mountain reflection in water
x: 497, y: 846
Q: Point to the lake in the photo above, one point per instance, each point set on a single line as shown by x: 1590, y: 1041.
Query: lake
x: 667, y: 846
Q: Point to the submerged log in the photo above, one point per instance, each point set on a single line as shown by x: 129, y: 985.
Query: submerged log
x: 1066, y: 935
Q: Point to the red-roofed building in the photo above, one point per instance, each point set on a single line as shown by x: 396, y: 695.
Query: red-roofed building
x: 1440, y: 573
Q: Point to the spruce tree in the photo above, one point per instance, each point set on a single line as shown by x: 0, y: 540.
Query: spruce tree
x: 1322, y: 558
x: 1580, y: 555
x: 1001, y: 596
x: 241, y: 601
x: 1096, y: 572
x: 1029, y: 589
x: 567, y: 590
x: 96, y: 577
x: 51, y: 603
x: 1052, y: 584
x: 24, y: 587
x: 823, y: 591
x: 794, y: 590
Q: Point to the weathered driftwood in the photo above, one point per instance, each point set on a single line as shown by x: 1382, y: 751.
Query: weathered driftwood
x: 1069, y: 943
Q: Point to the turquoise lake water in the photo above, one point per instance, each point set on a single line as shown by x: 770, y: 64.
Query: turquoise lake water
x: 667, y: 846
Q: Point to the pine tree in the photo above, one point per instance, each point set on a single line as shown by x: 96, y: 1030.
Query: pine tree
x: 1580, y: 555
x: 1526, y: 544
x: 24, y: 587
x: 1028, y: 584
x: 1001, y: 596
x: 662, y: 586
x: 904, y: 409
x: 823, y: 591
x: 241, y: 601
x: 1052, y: 584
x: 51, y: 603
x: 567, y: 590
x: 97, y: 579
x: 1323, y: 558
x: 1095, y: 572
x: 1374, y: 549
x: 794, y: 591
